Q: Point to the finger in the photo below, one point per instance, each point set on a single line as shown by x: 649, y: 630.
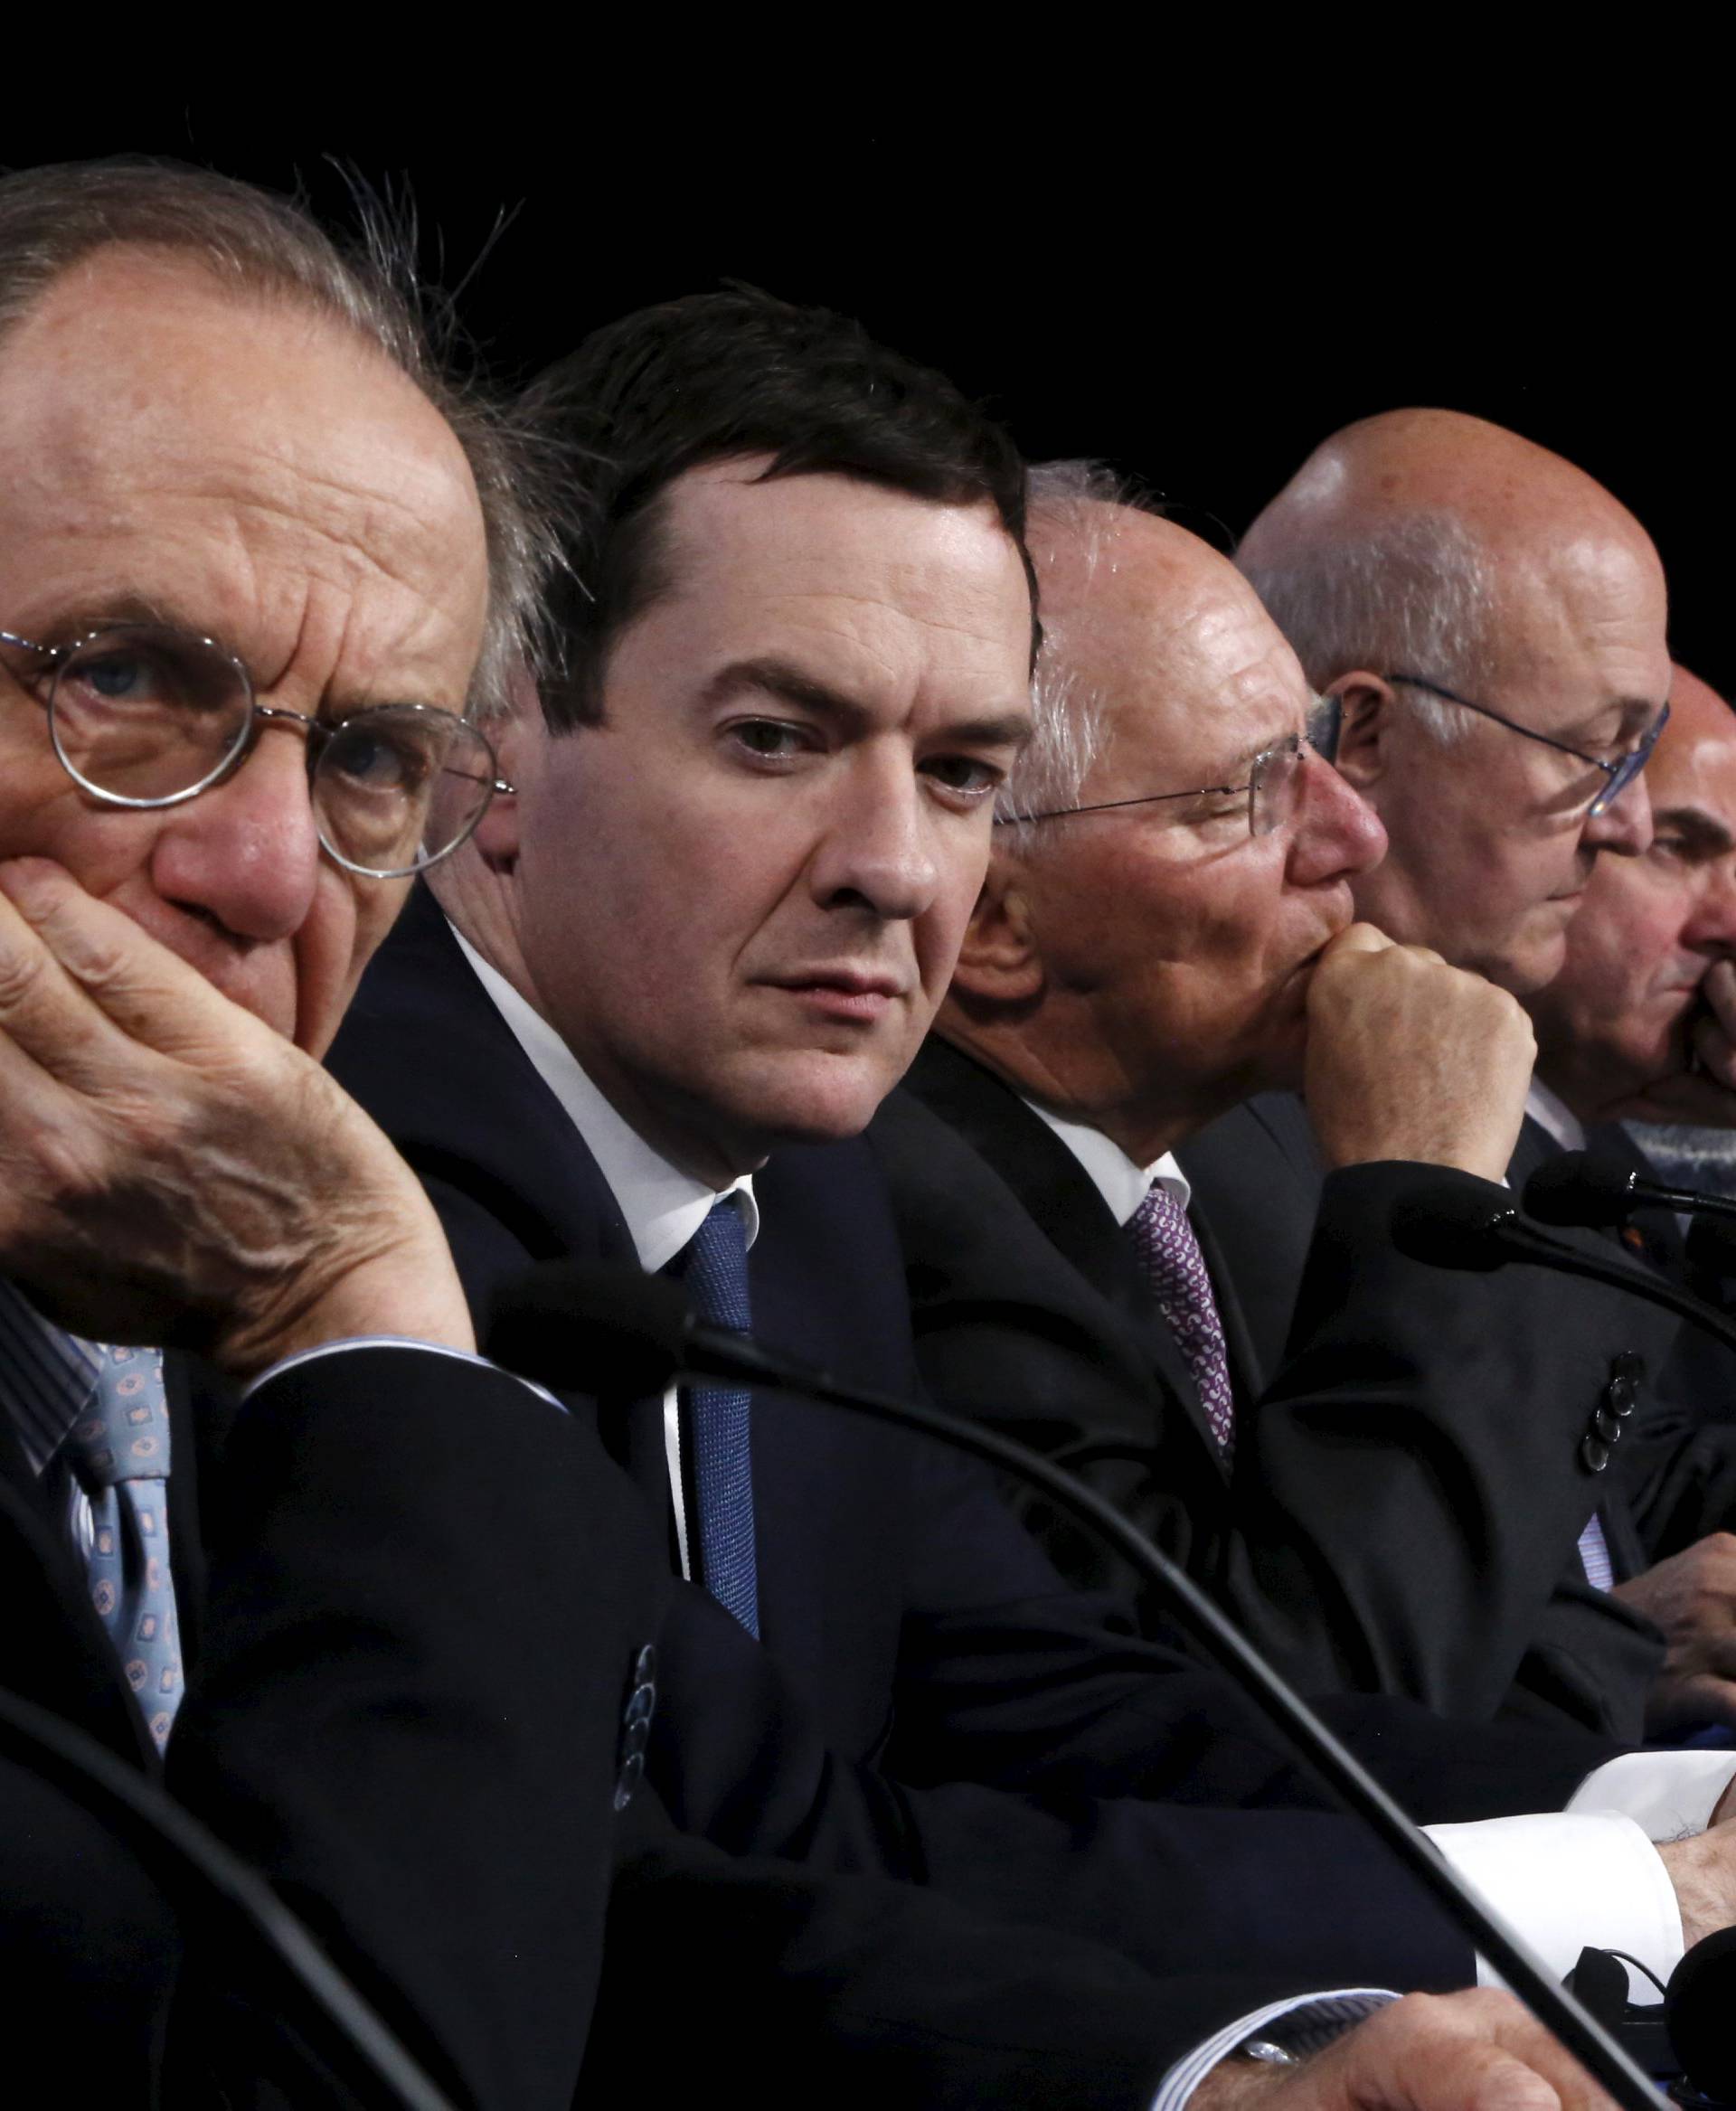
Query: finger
x: 1356, y: 938
x: 1719, y: 989
x: 96, y: 953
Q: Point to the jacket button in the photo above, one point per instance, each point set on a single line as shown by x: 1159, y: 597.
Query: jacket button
x: 645, y: 1667
x: 628, y: 1778
x: 1605, y: 1425
x: 1621, y: 1394
x: 1595, y: 1452
x: 1627, y: 1364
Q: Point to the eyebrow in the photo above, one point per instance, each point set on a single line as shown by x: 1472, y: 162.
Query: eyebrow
x: 773, y: 676
x: 1708, y: 835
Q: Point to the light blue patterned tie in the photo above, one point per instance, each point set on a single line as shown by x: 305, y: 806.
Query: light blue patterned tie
x: 714, y: 1267
x: 119, y: 1447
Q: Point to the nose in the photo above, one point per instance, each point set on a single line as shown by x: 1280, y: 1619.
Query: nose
x: 1625, y: 826
x: 1711, y: 928
x: 878, y: 851
x: 247, y: 852
x: 1338, y: 835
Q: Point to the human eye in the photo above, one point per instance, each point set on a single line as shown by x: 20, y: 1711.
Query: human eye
x: 377, y: 758
x: 771, y: 741
x: 964, y: 780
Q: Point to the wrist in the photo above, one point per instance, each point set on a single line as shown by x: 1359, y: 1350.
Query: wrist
x: 411, y: 1290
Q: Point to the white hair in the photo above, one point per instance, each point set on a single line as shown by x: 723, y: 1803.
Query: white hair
x: 1416, y: 596
x: 1076, y: 501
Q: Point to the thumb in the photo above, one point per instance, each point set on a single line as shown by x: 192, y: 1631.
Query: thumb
x: 1358, y: 939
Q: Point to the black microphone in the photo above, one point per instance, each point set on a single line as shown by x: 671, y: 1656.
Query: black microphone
x: 1700, y: 2005
x: 618, y: 1333
x: 1578, y: 1188
x: 1452, y: 1226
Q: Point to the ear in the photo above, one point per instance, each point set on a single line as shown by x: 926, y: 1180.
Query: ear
x: 516, y: 746
x: 1366, y: 713
x: 999, y: 963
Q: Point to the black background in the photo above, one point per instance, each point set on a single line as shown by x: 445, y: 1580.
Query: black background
x: 1200, y: 311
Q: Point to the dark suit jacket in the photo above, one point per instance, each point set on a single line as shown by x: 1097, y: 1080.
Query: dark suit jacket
x: 1674, y: 1478
x: 929, y: 1702
x: 1407, y: 1487
x: 369, y: 1601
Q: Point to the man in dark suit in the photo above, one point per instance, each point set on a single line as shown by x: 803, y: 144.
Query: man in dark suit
x: 289, y: 1509
x: 1636, y: 1026
x: 1490, y: 624
x: 1346, y: 1469
x: 685, y: 959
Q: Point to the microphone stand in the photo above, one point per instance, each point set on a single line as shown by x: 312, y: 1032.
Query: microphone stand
x: 710, y: 1352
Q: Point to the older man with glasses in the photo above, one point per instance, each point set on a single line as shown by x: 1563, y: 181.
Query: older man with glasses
x: 276, y: 1554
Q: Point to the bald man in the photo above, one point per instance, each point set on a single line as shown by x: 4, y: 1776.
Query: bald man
x: 1358, y: 1485
x: 1491, y: 624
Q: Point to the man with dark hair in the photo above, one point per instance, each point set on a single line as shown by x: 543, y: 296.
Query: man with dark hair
x: 686, y: 958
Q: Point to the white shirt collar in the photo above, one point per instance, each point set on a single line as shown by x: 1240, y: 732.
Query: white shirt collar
x: 1560, y: 1119
x: 1122, y: 1184
x: 664, y: 1207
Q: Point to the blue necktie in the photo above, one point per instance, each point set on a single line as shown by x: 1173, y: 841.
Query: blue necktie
x: 714, y: 1267
x: 121, y: 1446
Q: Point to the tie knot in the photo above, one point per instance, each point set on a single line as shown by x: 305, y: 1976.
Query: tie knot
x: 123, y: 1432
x: 714, y: 1266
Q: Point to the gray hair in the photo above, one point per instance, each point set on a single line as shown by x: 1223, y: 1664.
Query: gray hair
x: 1416, y: 596
x: 1071, y: 726
x: 271, y: 247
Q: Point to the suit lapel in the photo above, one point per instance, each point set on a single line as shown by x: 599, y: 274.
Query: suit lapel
x: 1059, y: 1196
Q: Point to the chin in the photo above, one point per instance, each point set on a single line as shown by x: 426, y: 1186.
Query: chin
x: 813, y: 1099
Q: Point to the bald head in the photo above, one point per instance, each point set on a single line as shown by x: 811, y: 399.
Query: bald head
x: 1142, y: 967
x: 1422, y: 552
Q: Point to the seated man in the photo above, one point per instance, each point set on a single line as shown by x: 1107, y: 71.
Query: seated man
x: 1355, y: 1485
x: 688, y: 956
x: 1637, y: 1025
x: 1491, y: 625
x: 291, y: 478
x: 416, y: 1660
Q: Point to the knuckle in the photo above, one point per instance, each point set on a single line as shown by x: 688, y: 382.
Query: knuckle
x: 21, y: 975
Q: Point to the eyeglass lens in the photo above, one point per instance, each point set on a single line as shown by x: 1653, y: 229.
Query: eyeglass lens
x: 1272, y: 787
x: 152, y: 715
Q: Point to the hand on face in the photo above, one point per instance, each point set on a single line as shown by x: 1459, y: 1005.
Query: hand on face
x: 1411, y: 1059
x: 1473, y: 2051
x: 1705, y: 1094
x: 1692, y: 1596
x: 173, y: 1171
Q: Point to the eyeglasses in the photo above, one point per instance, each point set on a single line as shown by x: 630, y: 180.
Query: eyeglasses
x: 1272, y: 778
x: 1620, y: 773
x: 144, y: 715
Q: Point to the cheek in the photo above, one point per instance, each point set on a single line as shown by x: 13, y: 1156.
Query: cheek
x: 348, y: 919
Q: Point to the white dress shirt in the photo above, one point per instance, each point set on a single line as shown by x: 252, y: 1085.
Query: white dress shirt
x: 1551, y: 1112
x: 1588, y: 1874
x: 663, y: 1206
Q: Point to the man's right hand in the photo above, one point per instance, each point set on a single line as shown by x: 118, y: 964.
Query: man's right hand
x: 174, y: 1171
x: 1473, y: 2051
x: 1702, y: 1870
x: 1411, y: 1059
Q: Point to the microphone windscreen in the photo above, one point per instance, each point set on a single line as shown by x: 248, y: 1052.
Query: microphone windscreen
x: 1577, y: 1188
x: 1700, y: 2006
x: 1451, y: 1225
x: 587, y: 1327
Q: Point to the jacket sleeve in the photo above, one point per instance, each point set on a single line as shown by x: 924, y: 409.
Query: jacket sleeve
x: 428, y: 1590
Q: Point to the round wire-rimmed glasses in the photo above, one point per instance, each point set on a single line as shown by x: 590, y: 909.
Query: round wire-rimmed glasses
x: 144, y: 715
x: 1273, y: 776
x: 1618, y: 775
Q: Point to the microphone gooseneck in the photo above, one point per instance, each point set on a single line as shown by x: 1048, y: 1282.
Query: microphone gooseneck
x: 621, y: 1323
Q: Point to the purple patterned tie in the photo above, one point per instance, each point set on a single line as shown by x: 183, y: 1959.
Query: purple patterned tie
x: 1175, y: 1269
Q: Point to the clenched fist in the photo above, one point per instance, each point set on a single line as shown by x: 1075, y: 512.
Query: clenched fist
x: 1411, y: 1059
x: 174, y: 1171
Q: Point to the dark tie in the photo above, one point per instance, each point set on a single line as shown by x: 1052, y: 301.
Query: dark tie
x: 714, y: 1267
x: 1175, y: 1269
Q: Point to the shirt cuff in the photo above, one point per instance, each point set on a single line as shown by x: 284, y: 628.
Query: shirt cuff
x: 1345, y: 2008
x: 1669, y: 1795
x: 393, y: 1341
x: 1564, y: 1881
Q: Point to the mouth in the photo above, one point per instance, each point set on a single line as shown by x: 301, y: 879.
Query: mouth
x: 844, y: 992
